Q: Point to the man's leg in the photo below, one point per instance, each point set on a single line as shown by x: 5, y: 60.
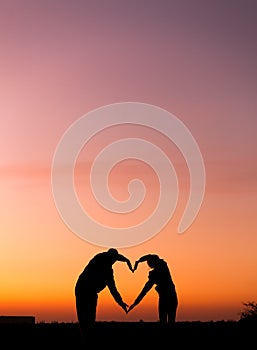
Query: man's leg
x: 86, y: 313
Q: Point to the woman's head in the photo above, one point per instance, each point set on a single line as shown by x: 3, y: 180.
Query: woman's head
x: 152, y: 260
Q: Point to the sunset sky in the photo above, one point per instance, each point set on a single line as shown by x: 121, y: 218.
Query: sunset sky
x: 61, y: 60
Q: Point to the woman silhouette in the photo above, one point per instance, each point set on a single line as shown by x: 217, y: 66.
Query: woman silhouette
x: 161, y: 277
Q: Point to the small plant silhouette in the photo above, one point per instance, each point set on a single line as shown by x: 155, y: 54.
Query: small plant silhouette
x: 249, y: 312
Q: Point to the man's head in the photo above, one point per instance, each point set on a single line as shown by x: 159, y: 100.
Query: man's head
x: 113, y: 253
x: 115, y: 256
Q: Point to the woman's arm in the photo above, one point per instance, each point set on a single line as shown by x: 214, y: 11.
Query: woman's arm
x: 141, y: 295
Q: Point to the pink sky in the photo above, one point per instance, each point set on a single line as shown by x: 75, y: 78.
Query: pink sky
x: 62, y: 59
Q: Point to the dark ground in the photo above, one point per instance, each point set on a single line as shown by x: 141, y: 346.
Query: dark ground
x: 134, y: 335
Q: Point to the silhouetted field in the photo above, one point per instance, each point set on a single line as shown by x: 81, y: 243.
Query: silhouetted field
x: 134, y: 335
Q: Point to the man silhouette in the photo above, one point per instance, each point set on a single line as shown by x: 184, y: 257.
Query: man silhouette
x: 161, y: 277
x: 97, y: 275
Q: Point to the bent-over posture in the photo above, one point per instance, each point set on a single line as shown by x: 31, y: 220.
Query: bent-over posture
x: 97, y: 275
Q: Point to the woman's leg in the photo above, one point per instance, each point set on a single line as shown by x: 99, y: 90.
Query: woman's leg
x: 172, y: 309
x: 162, y: 309
x: 167, y: 308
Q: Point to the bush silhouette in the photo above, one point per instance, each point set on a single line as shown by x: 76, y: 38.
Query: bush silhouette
x: 249, y: 312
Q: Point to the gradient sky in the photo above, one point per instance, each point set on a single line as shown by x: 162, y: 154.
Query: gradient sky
x: 60, y: 60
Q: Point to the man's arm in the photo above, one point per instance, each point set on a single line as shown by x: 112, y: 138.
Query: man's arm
x: 126, y: 260
x: 116, y: 295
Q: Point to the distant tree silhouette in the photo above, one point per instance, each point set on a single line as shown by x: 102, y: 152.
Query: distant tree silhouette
x: 249, y: 312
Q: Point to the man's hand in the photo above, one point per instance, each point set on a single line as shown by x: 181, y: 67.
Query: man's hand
x: 135, y: 266
x: 124, y: 307
x: 131, y: 307
x: 130, y: 266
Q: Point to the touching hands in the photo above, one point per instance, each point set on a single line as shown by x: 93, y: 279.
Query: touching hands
x: 125, y: 307
x: 130, y: 266
x: 135, y: 266
x: 131, y: 307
